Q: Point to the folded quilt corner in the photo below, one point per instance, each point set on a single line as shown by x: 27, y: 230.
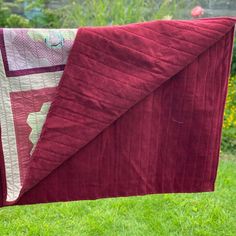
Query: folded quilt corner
x: 112, y: 111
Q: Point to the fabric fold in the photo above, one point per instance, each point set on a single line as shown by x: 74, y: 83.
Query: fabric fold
x: 113, y: 74
x: 133, y: 61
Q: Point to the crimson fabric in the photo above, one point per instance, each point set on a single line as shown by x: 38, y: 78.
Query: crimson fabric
x: 139, y: 111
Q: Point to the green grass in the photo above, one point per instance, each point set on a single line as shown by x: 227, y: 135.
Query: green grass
x: 168, y: 214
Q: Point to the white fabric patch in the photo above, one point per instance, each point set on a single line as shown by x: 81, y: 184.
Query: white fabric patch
x: 35, y: 121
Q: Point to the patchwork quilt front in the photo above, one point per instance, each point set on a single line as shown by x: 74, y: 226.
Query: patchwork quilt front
x: 112, y: 111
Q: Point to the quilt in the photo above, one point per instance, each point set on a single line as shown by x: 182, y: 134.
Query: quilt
x: 112, y: 111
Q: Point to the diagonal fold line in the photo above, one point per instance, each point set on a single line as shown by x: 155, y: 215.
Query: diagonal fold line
x: 33, y: 176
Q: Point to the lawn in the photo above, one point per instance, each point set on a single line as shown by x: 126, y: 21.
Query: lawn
x: 167, y: 214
